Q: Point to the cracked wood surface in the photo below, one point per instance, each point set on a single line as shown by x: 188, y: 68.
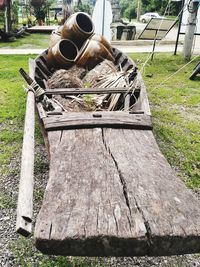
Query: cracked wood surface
x: 112, y: 192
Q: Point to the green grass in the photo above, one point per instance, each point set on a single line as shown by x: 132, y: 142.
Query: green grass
x: 26, y: 256
x: 34, y: 40
x: 12, y: 102
x: 175, y: 106
x: 6, y: 201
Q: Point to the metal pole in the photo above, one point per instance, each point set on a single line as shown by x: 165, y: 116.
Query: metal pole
x: 8, y: 17
x: 179, y: 27
x: 138, y: 10
x: 190, y: 29
x: 154, y: 45
x: 103, y: 18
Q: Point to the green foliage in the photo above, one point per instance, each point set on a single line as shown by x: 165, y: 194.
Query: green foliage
x: 89, y: 102
x: 154, y: 5
x: 40, y: 165
x: 36, y: 40
x: 40, y: 12
x: 6, y: 201
x: 83, y: 7
x: 160, y: 6
x: 15, y: 7
x: 12, y: 101
x: 27, y: 256
x: 128, y: 8
x: 2, y: 19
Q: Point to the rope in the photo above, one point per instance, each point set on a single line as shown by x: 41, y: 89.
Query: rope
x: 168, y: 78
x: 150, y: 54
x: 38, y: 91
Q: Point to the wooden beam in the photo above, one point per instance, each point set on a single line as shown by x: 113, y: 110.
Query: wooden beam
x: 76, y: 120
x: 190, y: 29
x: 25, y: 196
x: 77, y: 91
x: 127, y: 102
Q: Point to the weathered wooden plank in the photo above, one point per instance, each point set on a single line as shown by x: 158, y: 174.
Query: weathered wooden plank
x: 111, y: 192
x: 77, y: 91
x: 76, y: 120
x: 170, y: 211
x: 25, y: 196
x: 41, y: 112
x: 142, y: 103
x: 84, y: 208
x: 127, y: 102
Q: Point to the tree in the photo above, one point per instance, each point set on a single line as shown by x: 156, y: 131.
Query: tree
x: 67, y: 9
x: 82, y: 8
x: 128, y: 8
x: 160, y: 6
x: 154, y: 5
x: 41, y: 8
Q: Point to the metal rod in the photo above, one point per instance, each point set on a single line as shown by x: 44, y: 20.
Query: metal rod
x: 154, y: 45
x: 26, y: 77
x: 103, y: 22
x: 179, y: 27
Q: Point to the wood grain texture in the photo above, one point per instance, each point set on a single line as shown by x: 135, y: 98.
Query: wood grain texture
x: 25, y: 196
x: 77, y: 120
x: 77, y: 91
x: 142, y: 102
x: 111, y: 192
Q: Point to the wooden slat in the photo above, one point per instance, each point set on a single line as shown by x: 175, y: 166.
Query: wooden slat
x: 127, y: 102
x: 41, y: 112
x: 142, y: 103
x: 77, y: 91
x: 75, y: 120
x: 111, y: 192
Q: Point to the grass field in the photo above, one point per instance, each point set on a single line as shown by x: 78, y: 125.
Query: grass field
x: 175, y: 106
x: 36, y: 40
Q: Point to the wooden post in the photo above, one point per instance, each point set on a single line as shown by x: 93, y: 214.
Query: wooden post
x: 8, y: 17
x: 25, y: 197
x: 179, y: 25
x: 190, y: 29
x: 138, y: 10
x: 154, y: 45
x: 103, y: 19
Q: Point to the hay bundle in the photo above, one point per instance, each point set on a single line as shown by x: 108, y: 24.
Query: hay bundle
x: 107, y: 75
x: 64, y: 79
x: 104, y: 75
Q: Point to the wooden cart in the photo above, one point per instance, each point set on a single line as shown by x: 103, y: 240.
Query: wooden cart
x: 110, y: 191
